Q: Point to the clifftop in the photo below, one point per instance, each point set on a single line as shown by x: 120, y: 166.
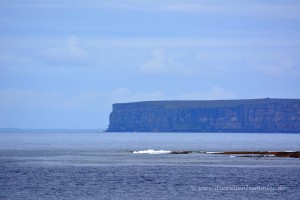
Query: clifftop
x: 206, y: 103
x: 252, y: 115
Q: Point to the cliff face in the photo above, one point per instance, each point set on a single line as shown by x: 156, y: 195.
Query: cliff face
x: 259, y: 115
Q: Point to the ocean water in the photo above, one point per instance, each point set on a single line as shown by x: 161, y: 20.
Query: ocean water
x: 103, y: 166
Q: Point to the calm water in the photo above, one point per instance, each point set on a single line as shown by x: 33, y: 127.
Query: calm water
x: 102, y: 166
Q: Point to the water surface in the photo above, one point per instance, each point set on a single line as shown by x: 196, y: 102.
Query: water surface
x: 102, y: 166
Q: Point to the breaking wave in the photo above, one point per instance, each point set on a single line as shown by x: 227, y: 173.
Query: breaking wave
x: 213, y: 152
x: 150, y: 151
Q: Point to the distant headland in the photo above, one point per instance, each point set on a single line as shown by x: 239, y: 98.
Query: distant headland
x: 249, y: 115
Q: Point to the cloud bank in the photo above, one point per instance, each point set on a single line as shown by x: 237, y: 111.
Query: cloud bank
x: 69, y: 53
x: 161, y: 63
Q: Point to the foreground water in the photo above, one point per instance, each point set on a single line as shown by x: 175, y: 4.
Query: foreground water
x: 103, y: 166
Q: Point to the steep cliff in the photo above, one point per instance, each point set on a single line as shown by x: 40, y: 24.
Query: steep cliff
x: 257, y: 115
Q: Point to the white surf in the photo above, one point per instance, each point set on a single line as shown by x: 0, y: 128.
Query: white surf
x: 150, y: 151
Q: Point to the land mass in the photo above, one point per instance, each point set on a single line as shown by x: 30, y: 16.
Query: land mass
x: 252, y: 115
x: 255, y: 154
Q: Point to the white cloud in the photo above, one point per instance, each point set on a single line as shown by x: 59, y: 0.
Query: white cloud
x: 277, y: 67
x: 251, y: 9
x: 261, y: 9
x: 123, y: 95
x: 87, y: 99
x: 6, y: 59
x: 36, y: 109
x: 33, y: 4
x: 215, y: 93
x: 67, y: 54
x: 156, y: 63
x: 16, y: 98
x: 289, y: 11
x: 162, y: 63
x: 46, y: 5
x: 190, y: 42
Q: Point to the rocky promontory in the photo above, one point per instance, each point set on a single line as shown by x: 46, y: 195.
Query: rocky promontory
x: 254, y: 115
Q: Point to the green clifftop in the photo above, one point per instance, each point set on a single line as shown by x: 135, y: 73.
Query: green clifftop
x: 256, y: 115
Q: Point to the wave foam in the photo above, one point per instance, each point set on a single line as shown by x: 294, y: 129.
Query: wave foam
x: 150, y: 151
x: 213, y: 152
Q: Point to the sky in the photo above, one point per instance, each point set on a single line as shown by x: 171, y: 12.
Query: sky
x: 63, y: 63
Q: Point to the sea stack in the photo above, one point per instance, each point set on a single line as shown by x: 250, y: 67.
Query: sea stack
x: 252, y: 116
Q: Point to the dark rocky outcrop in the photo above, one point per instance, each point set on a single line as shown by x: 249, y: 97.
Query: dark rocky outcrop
x: 295, y: 154
x: 181, y: 152
x: 257, y: 115
x: 255, y: 154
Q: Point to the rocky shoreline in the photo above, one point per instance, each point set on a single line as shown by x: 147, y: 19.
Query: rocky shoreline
x: 286, y: 154
x: 295, y: 154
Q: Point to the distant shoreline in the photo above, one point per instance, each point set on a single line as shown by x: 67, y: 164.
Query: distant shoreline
x: 103, y: 130
x: 33, y: 130
x: 255, y: 154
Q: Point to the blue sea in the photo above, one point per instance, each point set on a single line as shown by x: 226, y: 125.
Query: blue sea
x: 129, y: 166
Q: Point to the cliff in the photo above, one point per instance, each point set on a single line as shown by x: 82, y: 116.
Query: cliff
x: 256, y: 115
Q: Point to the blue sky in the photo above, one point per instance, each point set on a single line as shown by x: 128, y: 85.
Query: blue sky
x: 64, y: 63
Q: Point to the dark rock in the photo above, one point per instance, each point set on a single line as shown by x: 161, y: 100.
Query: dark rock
x: 258, y: 115
x: 181, y: 152
x: 295, y: 154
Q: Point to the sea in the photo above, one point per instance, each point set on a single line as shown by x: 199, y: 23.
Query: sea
x: 128, y: 166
